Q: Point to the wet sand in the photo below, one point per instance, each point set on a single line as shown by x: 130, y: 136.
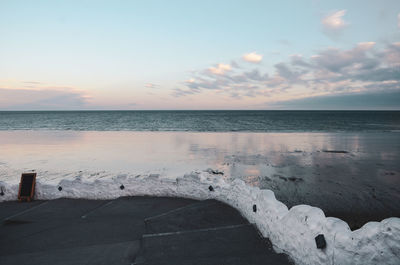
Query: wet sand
x: 353, y: 176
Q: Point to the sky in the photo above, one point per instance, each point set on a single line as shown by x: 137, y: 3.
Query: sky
x: 112, y: 55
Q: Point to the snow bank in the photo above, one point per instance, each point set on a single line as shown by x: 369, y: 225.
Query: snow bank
x: 291, y: 231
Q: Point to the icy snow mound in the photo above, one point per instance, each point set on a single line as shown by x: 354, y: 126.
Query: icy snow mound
x: 291, y: 231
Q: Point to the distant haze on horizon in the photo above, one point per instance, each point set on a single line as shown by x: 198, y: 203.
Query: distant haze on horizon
x: 200, y: 55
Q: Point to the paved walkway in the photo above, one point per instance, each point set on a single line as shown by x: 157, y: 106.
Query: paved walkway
x: 131, y: 230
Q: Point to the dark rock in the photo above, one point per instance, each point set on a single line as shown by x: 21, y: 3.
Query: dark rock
x: 295, y: 179
x: 320, y: 241
x: 211, y: 188
x: 390, y: 173
x: 60, y: 188
x: 122, y: 187
x: 254, y: 208
x: 281, y: 177
x: 335, y: 151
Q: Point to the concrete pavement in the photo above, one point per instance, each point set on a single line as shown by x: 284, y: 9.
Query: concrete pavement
x: 130, y: 230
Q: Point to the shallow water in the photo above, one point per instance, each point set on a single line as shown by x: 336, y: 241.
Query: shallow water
x: 355, y: 176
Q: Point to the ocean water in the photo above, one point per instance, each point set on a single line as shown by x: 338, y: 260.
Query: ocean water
x: 203, y: 121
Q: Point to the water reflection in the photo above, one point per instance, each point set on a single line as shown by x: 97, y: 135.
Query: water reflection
x: 296, y: 166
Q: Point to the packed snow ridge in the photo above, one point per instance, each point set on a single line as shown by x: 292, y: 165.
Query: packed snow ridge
x: 290, y: 231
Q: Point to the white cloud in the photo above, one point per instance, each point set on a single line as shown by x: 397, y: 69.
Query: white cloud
x: 366, y: 45
x: 252, y: 57
x: 220, y: 69
x: 334, y: 22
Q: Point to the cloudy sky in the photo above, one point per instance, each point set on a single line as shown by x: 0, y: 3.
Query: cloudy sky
x: 199, y: 54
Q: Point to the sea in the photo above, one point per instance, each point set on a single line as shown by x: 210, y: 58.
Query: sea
x: 203, y: 121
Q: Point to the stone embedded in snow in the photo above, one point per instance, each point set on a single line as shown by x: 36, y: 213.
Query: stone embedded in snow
x: 214, y: 172
x: 320, y: 241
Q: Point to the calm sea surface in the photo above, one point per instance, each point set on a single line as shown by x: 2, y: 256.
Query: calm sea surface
x: 203, y: 121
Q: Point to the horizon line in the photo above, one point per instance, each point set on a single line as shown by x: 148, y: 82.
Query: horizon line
x: 49, y: 110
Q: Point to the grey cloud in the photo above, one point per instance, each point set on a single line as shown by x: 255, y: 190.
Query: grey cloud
x: 178, y: 92
x: 386, y: 86
x: 234, y: 64
x: 235, y: 95
x: 25, y: 99
x: 256, y: 75
x: 245, y: 77
x: 378, y: 75
x: 370, y: 63
x: 336, y: 60
x: 392, y: 54
x: 252, y: 93
x: 291, y: 75
x: 297, y: 60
